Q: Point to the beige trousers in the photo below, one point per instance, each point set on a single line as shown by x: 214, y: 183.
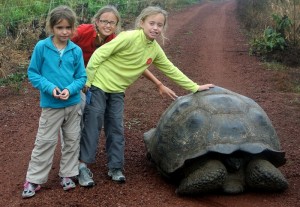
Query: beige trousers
x: 51, y: 120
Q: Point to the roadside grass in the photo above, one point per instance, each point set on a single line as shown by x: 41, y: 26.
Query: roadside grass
x: 272, y: 28
x: 14, y: 81
x: 24, y: 24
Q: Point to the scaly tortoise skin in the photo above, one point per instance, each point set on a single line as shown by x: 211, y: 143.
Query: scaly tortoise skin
x: 217, y: 140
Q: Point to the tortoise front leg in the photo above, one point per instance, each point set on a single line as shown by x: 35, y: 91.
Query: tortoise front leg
x: 204, y: 177
x: 263, y: 175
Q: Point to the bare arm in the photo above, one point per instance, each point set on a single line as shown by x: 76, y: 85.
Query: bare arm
x: 163, y: 90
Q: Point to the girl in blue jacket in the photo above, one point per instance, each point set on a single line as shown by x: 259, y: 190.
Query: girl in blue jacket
x: 57, y: 70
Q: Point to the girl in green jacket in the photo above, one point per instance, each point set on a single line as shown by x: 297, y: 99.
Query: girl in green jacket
x: 112, y: 68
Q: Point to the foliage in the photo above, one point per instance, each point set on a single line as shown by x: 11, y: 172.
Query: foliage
x: 272, y: 38
x: 23, y: 21
x: 14, y: 81
x: 253, y: 13
x: 16, y: 12
x: 256, y: 15
x: 273, y: 28
x: 270, y: 41
x: 282, y: 24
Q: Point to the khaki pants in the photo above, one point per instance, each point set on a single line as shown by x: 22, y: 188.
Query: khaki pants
x: 51, y: 120
x: 82, y: 105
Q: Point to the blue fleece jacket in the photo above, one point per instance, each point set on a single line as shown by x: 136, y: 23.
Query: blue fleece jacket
x: 47, y: 70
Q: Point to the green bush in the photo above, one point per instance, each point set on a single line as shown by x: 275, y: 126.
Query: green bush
x: 14, y: 81
x: 282, y: 24
x: 270, y: 41
x: 272, y: 38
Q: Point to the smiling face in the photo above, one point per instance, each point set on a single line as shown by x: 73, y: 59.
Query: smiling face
x: 153, y: 25
x: 106, y: 24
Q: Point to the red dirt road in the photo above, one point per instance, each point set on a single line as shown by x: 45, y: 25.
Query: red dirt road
x: 206, y: 43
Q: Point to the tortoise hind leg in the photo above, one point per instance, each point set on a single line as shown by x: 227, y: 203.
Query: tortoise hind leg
x: 261, y: 174
x: 204, y: 177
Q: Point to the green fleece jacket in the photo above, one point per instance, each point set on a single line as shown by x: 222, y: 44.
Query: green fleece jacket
x: 117, y: 64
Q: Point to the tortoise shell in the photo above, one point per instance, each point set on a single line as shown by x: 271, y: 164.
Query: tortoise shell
x: 216, y: 120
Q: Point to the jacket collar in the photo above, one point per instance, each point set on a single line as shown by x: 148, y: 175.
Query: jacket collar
x: 144, y: 38
x: 49, y: 44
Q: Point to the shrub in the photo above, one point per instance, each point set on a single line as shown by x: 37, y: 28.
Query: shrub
x: 272, y: 38
x: 270, y: 41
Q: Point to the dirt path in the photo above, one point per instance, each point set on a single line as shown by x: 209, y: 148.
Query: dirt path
x: 206, y: 43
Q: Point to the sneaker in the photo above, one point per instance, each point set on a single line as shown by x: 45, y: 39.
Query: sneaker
x: 85, y: 177
x: 116, y: 175
x: 67, y: 183
x: 30, y: 189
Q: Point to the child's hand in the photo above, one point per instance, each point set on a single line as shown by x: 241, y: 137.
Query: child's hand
x: 85, y: 89
x: 56, y: 93
x: 65, y: 94
x: 164, y: 90
x: 205, y: 87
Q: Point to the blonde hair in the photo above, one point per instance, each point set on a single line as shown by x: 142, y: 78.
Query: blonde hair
x: 58, y: 14
x: 149, y: 11
x: 106, y: 9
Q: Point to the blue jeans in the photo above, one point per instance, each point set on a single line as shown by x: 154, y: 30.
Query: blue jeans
x: 104, y: 108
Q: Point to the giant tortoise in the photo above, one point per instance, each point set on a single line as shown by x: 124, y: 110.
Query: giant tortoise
x: 217, y: 140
